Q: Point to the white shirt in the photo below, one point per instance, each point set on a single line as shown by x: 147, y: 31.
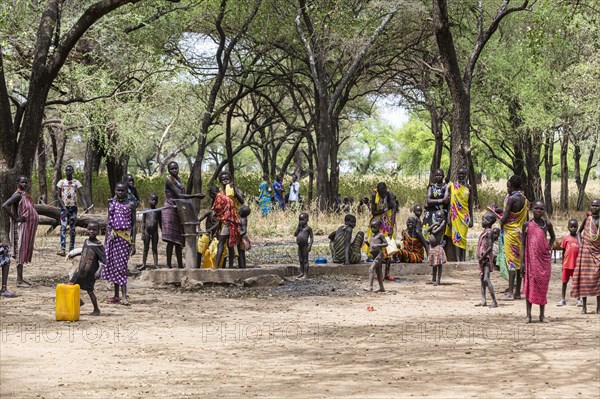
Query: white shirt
x: 294, y: 191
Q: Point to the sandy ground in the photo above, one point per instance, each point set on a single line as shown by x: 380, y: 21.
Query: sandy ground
x: 305, y: 339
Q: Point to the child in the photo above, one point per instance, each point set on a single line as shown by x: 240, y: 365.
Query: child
x: 343, y: 248
x: 244, y: 243
x: 376, y: 245
x: 413, y: 243
x: 89, y: 270
x: 485, y: 254
x: 437, y: 255
x: 120, y: 241
x: 537, y: 265
x: 418, y: 211
x: 151, y: 221
x: 304, y: 239
x: 132, y: 193
x: 570, y: 246
x: 586, y: 279
x: 5, y: 264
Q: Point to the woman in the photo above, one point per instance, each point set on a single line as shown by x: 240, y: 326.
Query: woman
x: 437, y: 198
x: 460, y: 214
x: 120, y: 242
x: 24, y: 222
x: 172, y: 229
x: 264, y: 196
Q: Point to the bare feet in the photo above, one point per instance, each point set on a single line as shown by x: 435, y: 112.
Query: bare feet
x: 368, y: 289
x: 95, y: 313
x: 544, y: 320
x: 507, y: 297
x: 435, y: 283
x: 584, y: 310
x: 494, y: 304
x: 301, y: 275
x: 517, y: 296
x: 124, y: 302
x: 380, y: 290
x: 482, y: 303
x: 528, y: 320
x: 430, y: 282
x: 24, y: 284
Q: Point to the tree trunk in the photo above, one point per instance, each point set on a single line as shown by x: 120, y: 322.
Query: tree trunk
x: 60, y: 139
x: 116, y: 168
x: 548, y: 165
x: 438, y: 137
x: 53, y: 215
x: 324, y: 135
x: 532, y: 162
x: 577, y: 164
x: 228, y: 142
x: 590, y: 164
x: 41, y: 162
x: 564, y: 169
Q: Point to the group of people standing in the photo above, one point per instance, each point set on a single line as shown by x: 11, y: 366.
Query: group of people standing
x: 271, y: 196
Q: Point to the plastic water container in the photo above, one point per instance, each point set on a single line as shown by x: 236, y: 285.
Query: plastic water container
x: 203, y: 243
x: 320, y: 261
x: 67, y: 302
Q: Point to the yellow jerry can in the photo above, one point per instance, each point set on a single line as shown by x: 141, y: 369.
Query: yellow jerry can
x: 202, y: 243
x: 67, y: 302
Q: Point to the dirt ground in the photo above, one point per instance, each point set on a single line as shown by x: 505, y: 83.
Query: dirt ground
x: 306, y: 339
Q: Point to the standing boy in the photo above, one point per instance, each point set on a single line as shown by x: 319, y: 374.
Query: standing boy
x: 437, y: 255
x: 68, y: 194
x: 376, y: 246
x: 92, y: 255
x: 304, y: 239
x: 151, y: 221
x: 570, y: 246
x: 485, y: 254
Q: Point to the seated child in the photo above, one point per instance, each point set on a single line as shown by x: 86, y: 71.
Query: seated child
x: 413, y: 243
x: 89, y: 269
x: 343, y: 248
x: 418, y: 211
x: 437, y: 255
x: 376, y: 245
x: 485, y: 247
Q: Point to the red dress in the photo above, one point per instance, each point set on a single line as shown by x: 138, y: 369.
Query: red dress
x: 538, y: 265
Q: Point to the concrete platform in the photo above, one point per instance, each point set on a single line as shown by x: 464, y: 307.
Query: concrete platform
x: 236, y: 276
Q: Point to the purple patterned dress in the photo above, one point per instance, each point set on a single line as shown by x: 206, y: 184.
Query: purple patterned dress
x: 117, y: 248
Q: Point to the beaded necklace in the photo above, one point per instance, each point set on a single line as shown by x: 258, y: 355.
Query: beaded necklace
x: 593, y: 237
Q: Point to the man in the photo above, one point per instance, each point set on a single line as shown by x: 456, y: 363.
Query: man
x: 279, y: 192
x: 294, y: 195
x: 69, y: 192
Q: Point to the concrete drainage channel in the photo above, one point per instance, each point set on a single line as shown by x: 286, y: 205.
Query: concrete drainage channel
x: 237, y: 276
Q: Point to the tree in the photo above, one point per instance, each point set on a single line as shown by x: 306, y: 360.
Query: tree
x: 459, y: 84
x: 21, y: 122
